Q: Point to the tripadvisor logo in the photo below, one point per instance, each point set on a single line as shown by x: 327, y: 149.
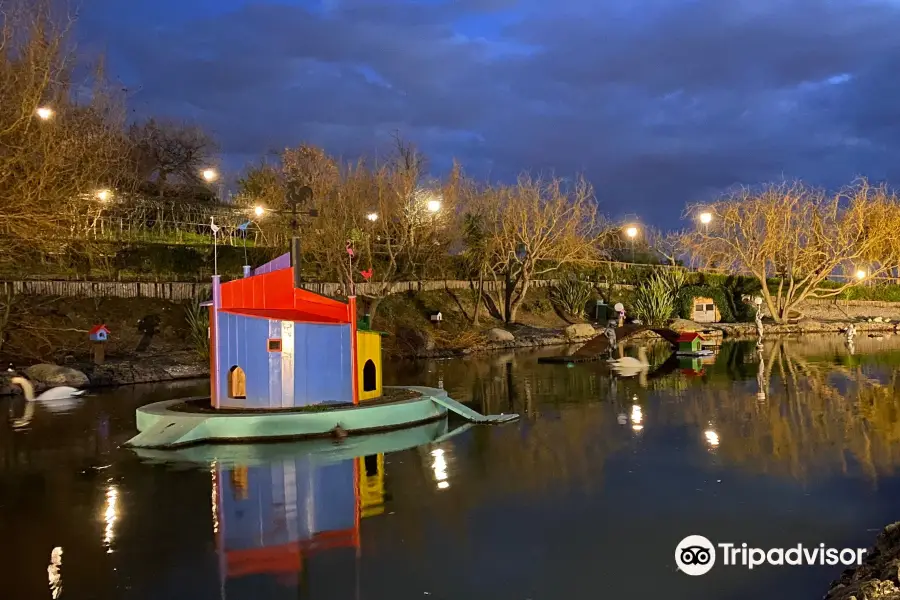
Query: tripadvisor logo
x: 696, y: 555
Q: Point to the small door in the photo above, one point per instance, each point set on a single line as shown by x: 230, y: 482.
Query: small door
x: 704, y: 311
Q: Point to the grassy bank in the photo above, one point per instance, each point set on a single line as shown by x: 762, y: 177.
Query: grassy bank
x: 47, y: 329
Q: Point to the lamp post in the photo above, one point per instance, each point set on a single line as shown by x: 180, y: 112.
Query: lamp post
x: 632, y: 232
x: 297, y: 196
x: 44, y: 113
x: 706, y: 219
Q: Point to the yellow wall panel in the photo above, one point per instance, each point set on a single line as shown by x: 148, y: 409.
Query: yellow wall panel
x: 368, y: 355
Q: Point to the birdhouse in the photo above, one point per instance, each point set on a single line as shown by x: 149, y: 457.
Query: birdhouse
x: 99, y: 333
x: 436, y: 317
x: 689, y: 342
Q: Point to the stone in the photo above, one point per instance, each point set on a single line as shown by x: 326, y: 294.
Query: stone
x: 580, y: 330
x: 499, y: 335
x: 55, y: 375
x: 878, y: 320
x: 685, y: 325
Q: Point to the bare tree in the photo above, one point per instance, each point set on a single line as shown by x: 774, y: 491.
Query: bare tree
x: 57, y: 147
x: 799, y: 237
x: 535, y: 227
x: 166, y: 150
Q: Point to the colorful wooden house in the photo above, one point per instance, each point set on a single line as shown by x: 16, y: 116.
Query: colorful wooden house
x: 270, y: 519
x: 689, y: 342
x: 275, y: 346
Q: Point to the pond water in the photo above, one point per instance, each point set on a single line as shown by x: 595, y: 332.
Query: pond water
x: 585, y: 497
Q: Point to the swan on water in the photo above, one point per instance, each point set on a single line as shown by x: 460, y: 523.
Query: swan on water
x: 628, y: 362
x: 59, y: 397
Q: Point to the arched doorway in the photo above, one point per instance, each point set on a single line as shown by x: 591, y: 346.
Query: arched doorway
x: 237, y: 383
x: 370, y: 376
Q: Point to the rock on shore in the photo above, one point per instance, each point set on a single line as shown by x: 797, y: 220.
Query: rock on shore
x: 877, y: 578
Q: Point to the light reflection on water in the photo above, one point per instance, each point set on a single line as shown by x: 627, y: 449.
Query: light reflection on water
x: 599, y: 477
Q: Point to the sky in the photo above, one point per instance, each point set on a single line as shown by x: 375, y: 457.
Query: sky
x: 659, y: 103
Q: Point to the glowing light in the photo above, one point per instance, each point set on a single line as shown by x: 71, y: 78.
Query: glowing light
x: 637, y: 427
x: 215, y: 497
x: 861, y: 274
x: 45, y: 113
x: 103, y: 195
x: 712, y: 438
x: 440, y: 469
x: 110, y: 515
x: 372, y: 216
x: 636, y: 414
x: 705, y: 218
x: 631, y: 232
x: 433, y: 206
x: 210, y: 174
x: 53, y: 574
x: 259, y: 211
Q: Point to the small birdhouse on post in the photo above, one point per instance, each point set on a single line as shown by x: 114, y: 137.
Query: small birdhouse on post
x: 99, y: 335
x: 436, y: 317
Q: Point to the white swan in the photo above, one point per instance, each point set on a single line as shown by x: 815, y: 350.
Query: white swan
x: 628, y: 362
x: 62, y: 397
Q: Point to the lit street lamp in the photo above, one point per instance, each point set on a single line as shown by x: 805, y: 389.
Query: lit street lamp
x: 706, y: 219
x: 210, y: 174
x: 433, y: 206
x: 103, y: 195
x: 632, y: 232
x: 45, y: 113
x: 259, y: 211
x: 372, y: 216
x: 860, y: 274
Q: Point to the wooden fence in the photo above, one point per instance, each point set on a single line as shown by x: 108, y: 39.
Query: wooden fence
x: 184, y: 291
x: 181, y: 291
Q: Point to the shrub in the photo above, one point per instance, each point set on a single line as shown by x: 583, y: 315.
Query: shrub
x: 198, y: 326
x: 654, y: 300
x: 685, y: 301
x: 571, y: 296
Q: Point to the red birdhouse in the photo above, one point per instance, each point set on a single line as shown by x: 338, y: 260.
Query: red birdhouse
x: 99, y: 333
x: 367, y: 274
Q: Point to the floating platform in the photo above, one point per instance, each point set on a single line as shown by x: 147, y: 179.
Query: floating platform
x: 167, y: 425
x: 324, y: 451
x: 697, y: 353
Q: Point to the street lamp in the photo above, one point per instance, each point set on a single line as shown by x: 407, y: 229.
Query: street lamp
x: 372, y: 216
x: 433, y: 206
x: 706, y: 219
x: 632, y: 232
x: 861, y: 274
x: 45, y: 113
x: 259, y: 211
x: 210, y: 174
x: 103, y: 195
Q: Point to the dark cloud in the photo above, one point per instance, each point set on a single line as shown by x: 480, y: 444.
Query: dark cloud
x: 658, y: 102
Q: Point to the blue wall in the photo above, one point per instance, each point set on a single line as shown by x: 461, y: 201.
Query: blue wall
x: 286, y: 502
x: 321, y: 372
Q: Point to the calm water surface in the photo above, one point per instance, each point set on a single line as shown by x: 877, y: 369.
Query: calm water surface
x: 585, y: 497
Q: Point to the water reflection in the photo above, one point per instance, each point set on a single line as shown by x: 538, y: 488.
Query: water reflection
x: 797, y: 443
x: 273, y: 519
x: 110, y: 516
x: 54, y: 575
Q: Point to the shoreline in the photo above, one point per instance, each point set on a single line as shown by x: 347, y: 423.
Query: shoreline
x: 877, y: 577
x: 185, y: 365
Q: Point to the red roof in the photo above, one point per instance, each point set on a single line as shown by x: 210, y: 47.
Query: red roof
x: 274, y: 291
x: 97, y: 329
x: 283, y: 314
x: 689, y: 336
